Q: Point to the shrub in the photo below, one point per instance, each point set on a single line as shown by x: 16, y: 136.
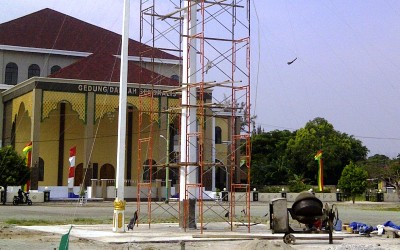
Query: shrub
x: 270, y: 189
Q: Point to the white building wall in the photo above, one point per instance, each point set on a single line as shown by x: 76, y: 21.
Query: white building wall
x: 25, y: 59
x: 163, y: 69
x: 46, y: 61
x: 2, y: 67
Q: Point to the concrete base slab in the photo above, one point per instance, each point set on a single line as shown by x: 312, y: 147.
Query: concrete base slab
x: 168, y: 232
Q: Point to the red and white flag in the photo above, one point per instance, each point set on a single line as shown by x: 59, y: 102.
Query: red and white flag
x: 71, y: 174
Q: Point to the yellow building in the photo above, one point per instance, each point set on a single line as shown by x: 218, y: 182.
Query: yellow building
x: 61, y: 79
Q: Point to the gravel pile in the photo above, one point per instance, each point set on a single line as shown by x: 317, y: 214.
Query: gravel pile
x: 265, y: 244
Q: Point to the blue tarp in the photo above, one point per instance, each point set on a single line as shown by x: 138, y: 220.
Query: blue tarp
x: 72, y: 195
x: 356, y: 225
x: 361, y: 227
x: 391, y: 224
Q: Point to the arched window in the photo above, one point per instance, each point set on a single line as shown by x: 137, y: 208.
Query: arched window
x: 11, y: 76
x: 54, y: 69
x: 175, y: 77
x: 218, y: 135
x: 33, y: 70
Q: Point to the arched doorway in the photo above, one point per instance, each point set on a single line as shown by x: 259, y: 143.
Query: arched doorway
x: 78, y: 175
x: 221, y: 175
x: 107, y: 171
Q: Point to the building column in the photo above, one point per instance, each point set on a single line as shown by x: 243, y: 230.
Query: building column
x: 164, y: 125
x: 213, y: 152
x: 88, y: 142
x: 209, y: 146
x: 35, y: 136
x: 164, y: 121
x: 1, y: 121
x: 230, y: 156
x: 2, y: 67
x: 61, y: 141
x: 1, y: 98
x: 238, y: 154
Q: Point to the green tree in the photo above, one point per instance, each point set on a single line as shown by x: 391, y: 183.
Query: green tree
x: 393, y: 175
x: 298, y: 183
x: 353, y: 180
x: 376, y: 161
x: 338, y: 150
x: 375, y: 166
x: 382, y: 168
x: 13, y: 170
x: 269, y: 163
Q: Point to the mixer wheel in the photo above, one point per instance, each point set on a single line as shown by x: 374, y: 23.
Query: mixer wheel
x: 289, y: 239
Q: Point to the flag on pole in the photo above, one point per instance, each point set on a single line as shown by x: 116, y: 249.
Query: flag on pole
x: 71, y: 174
x: 318, y: 157
x: 27, y: 152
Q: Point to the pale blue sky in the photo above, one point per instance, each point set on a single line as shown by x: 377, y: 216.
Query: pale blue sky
x: 347, y: 71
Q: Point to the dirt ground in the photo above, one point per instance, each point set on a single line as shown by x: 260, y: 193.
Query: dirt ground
x: 17, y: 238
x: 14, y: 237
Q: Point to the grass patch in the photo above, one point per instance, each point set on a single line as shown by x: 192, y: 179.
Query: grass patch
x: 91, y: 221
x: 78, y: 221
x: 160, y: 220
x: 394, y: 209
x: 390, y: 209
x: 32, y: 222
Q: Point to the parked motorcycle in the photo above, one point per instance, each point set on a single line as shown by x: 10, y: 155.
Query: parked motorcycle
x: 17, y: 200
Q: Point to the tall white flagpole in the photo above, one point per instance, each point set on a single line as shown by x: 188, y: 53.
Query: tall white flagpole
x: 188, y: 117
x: 119, y: 202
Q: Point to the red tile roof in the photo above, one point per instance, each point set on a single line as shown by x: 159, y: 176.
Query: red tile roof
x: 50, y: 29
x: 106, y: 67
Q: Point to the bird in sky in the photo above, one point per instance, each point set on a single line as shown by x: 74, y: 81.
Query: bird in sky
x: 292, y: 61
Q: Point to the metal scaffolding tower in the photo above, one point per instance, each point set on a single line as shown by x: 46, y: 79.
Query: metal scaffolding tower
x: 213, y: 39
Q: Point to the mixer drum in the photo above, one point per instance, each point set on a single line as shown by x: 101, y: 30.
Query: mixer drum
x: 307, y: 205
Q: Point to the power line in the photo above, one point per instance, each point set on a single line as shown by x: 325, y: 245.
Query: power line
x: 355, y: 136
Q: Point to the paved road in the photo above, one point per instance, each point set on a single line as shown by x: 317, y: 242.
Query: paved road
x: 371, y: 213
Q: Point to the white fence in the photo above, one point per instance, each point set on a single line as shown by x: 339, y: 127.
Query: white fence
x: 34, y: 195
x: 159, y: 193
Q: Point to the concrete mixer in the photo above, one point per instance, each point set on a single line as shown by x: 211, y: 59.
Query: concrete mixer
x: 306, y: 209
